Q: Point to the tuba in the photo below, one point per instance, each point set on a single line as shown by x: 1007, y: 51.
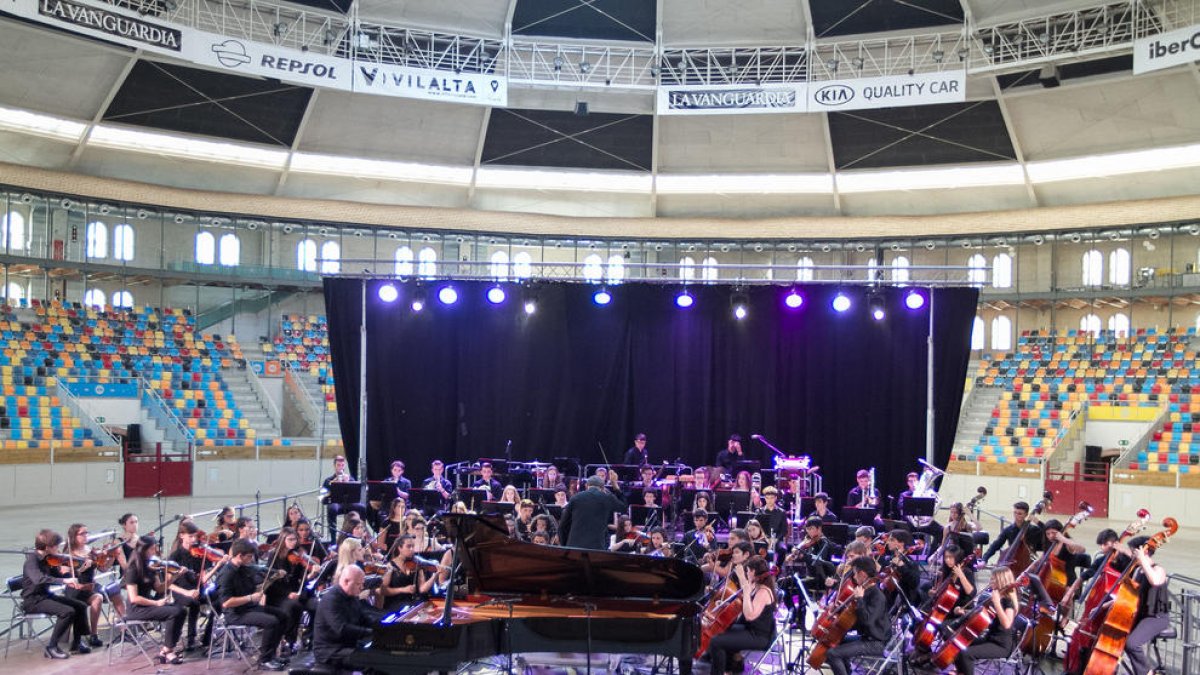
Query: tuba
x: 924, y: 488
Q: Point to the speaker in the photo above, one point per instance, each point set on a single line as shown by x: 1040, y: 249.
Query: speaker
x: 581, y: 108
x: 133, y: 438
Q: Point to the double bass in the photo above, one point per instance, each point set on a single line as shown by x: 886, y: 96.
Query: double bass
x: 1108, y: 627
x: 945, y: 597
x: 1018, y: 555
x: 1052, y: 572
x: 835, y: 621
x: 974, y: 624
x: 1098, y: 588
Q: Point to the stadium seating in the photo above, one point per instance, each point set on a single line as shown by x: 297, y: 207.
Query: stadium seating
x: 50, y: 343
x: 303, y: 343
x: 1050, y: 377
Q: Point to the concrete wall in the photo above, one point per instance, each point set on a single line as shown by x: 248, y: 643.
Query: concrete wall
x: 1179, y: 503
x: 1110, y: 434
x: 37, y: 484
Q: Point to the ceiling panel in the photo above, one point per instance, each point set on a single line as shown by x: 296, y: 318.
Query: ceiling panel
x: 949, y: 133
x: 51, y: 72
x: 563, y: 139
x: 341, y: 6
x: 177, y: 98
x: 384, y: 127
x: 852, y: 17
x: 741, y: 143
x: 473, y: 17
x: 586, y: 19
x: 176, y: 172
x: 720, y: 22
x: 1068, y: 72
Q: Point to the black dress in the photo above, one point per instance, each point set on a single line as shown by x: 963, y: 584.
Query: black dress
x: 996, y: 643
x: 172, y: 616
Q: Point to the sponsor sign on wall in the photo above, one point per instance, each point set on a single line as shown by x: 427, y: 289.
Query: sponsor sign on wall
x: 751, y: 98
x: 432, y: 85
x: 102, y: 21
x: 1164, y: 50
x: 252, y: 58
x: 888, y: 92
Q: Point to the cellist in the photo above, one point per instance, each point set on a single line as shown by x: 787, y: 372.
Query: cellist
x: 1153, y: 604
x: 1106, y: 540
x: 997, y: 642
x: 756, y: 627
x: 1070, y: 552
x: 871, y: 619
x: 1008, y: 536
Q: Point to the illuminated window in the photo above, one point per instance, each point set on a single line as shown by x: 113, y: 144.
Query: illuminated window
x: 1002, y: 271
x: 97, y: 240
x: 977, y: 270
x: 404, y: 261
x: 616, y: 269
x: 12, y: 232
x: 122, y: 300
x: 804, y: 269
x: 900, y: 271
x: 593, y: 267
x: 522, y: 265
x: 306, y: 256
x: 687, y: 268
x: 331, y: 257
x: 977, y: 334
x: 500, y: 265
x: 123, y: 242
x: 1093, y: 268
x: 205, y: 248
x: 1090, y: 324
x: 708, y: 269
x: 427, y: 263
x: 230, y: 250
x: 1001, y: 333
x: 94, y: 297
x: 15, y: 293
x: 1118, y: 267
x: 1119, y: 324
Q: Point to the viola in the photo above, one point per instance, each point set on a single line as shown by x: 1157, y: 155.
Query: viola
x: 160, y: 565
x: 975, y: 624
x: 1118, y: 617
x: 301, y: 558
x: 1018, y: 555
x: 205, y: 552
x: 945, y: 597
x: 64, y: 560
x: 374, y: 568
x: 835, y: 621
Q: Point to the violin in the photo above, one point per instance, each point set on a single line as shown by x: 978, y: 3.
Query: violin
x: 301, y: 558
x: 370, y: 567
x: 64, y: 560
x: 106, y: 556
x: 205, y: 552
x: 160, y: 565
x: 637, y: 536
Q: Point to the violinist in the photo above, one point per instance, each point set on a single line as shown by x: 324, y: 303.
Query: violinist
x: 437, y: 481
x: 1153, y: 604
x: 524, y: 519
x: 405, y: 581
x: 908, y: 574
x: 244, y: 602
x: 699, y: 540
x: 997, y: 642
x: 560, y: 497
x: 247, y: 529
x: 294, y: 516
x: 284, y: 594
x: 128, y: 537
x: 308, y: 543
x: 865, y: 534
x: 1008, y: 536
x: 756, y: 627
x: 627, y: 538
x: 702, y: 501
x: 964, y: 577
x: 150, y: 594
x: 719, y: 563
x: 821, y: 509
x: 200, y: 564
x: 487, y: 482
x: 544, y: 523
x: 84, y: 587
x: 353, y: 527
x: 871, y: 619
x: 43, y: 569
x: 349, y: 554
x: 394, y: 525
x: 758, y: 539
x: 816, y: 570
x: 774, y: 520
x: 854, y: 550
x: 226, y: 528
x: 959, y: 531
x: 658, y: 546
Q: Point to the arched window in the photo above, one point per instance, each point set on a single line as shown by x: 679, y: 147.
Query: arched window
x: 977, y: 334
x: 230, y: 250
x: 97, y: 240
x: 500, y: 265
x: 900, y: 271
x: 977, y: 273
x: 593, y: 267
x: 94, y: 297
x: 1002, y: 271
x: 206, y: 248
x: 1090, y: 324
x: 1093, y: 268
x: 122, y: 300
x: 522, y: 265
x: 709, y: 270
x: 872, y: 270
x: 427, y: 262
x: 123, y: 242
x: 12, y: 232
x: 306, y: 255
x: 331, y: 257
x: 14, y: 293
x: 1118, y: 267
x: 687, y: 268
x: 804, y: 269
x: 1001, y: 333
x: 616, y: 269
x: 404, y: 261
x: 1119, y: 324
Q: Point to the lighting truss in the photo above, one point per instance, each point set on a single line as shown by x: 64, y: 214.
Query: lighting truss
x: 734, y: 65
x: 581, y: 64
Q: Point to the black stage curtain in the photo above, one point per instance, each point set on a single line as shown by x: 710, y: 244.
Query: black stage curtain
x: 457, y: 382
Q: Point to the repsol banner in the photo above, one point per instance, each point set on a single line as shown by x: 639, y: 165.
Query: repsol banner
x: 888, y: 92
x: 1164, y: 50
x: 701, y: 100
x: 281, y: 63
x: 431, y: 85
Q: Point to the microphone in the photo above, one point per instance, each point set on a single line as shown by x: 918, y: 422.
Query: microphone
x: 756, y: 437
x: 156, y: 495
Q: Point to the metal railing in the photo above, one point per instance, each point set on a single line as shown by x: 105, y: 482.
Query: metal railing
x: 72, y: 402
x: 308, y: 407
x: 173, y: 428
x: 268, y: 402
x: 314, y: 514
x: 1185, y: 613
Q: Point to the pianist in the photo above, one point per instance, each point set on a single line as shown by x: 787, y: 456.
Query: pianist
x: 342, y: 619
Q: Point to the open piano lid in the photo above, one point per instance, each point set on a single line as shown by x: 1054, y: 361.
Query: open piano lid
x: 497, y: 564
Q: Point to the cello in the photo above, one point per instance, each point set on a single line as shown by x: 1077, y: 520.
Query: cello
x: 974, y: 624
x: 721, y: 610
x: 1019, y: 554
x: 1052, y: 572
x: 945, y: 597
x: 1114, y: 621
x: 1097, y: 589
x: 837, y: 620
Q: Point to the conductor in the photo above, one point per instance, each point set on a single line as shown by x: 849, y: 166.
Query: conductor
x: 586, y: 517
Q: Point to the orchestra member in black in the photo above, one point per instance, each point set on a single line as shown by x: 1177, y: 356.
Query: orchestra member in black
x: 738, y: 541
x: 1033, y: 536
x: 226, y: 529
x: 191, y: 586
x: 871, y: 621
x: 403, y: 485
x: 731, y: 455
x: 1107, y: 540
x: 862, y: 496
x: 150, y: 598
x: 545, y: 524
x: 964, y: 574
x: 933, y: 529
x: 128, y: 536
x: 243, y: 603
x: 865, y: 534
x: 404, y: 582
x: 438, y: 481
x: 625, y: 539
x: 814, y: 556
x: 285, y: 593
x: 638, y: 453
x: 908, y: 573
x: 701, y: 539
x: 774, y: 520
x: 309, y: 543
x: 487, y: 482
x: 1072, y: 553
x: 586, y: 516
x: 756, y: 627
x: 1153, y: 612
x: 341, y: 474
x: 758, y: 539
x: 36, y: 579
x: 997, y: 642
x: 524, y: 519
x: 394, y: 525
x: 821, y: 508
x: 342, y: 620
x: 84, y: 588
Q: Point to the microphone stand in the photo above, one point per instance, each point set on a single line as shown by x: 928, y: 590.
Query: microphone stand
x: 161, y: 518
x: 767, y: 443
x: 258, y: 510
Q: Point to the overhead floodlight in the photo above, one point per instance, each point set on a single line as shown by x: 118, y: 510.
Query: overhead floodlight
x: 740, y: 304
x: 448, y: 296
x: 793, y: 299
x: 914, y: 300
x: 496, y: 295
x: 602, y: 297
x: 841, y: 302
x: 388, y: 293
x: 684, y: 300
x: 875, y: 304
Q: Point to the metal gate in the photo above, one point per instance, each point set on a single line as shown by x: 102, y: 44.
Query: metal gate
x: 1087, y: 481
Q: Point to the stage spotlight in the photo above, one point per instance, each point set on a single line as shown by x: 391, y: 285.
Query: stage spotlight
x: 914, y: 300
x: 739, y: 302
x: 841, y: 303
x: 602, y: 297
x: 793, y: 300
x: 875, y: 304
x: 530, y: 306
x: 684, y: 300
x: 418, y: 301
x: 448, y: 295
x: 495, y: 295
x: 388, y: 293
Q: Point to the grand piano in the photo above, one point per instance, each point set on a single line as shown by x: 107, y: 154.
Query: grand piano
x: 532, y: 598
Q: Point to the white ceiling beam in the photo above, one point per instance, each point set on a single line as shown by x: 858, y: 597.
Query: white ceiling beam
x: 300, y: 129
x: 654, y: 134
x: 1016, y: 142
x: 77, y: 153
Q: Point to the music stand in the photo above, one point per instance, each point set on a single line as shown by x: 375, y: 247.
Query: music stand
x: 731, y: 501
x: 499, y: 466
x: 645, y: 516
x: 381, y: 491
x: 520, y: 477
x: 627, y: 472
x: 555, y: 511
x: 838, y: 533
x: 472, y: 497
x: 567, y: 466
x: 425, y: 501
x: 915, y: 507
x: 498, y: 508
x: 858, y: 516
x: 749, y: 465
x: 541, y: 496
x: 344, y: 493
x: 744, y: 517
x: 807, y: 506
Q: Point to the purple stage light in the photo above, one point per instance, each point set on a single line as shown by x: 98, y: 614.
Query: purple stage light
x: 418, y: 304
x: 684, y: 300
x: 914, y: 300
x: 841, y: 303
x: 877, y: 313
x: 388, y: 293
x: 530, y: 306
x: 793, y: 300
x: 602, y: 297
x: 495, y: 295
x: 448, y: 295
x: 739, y: 312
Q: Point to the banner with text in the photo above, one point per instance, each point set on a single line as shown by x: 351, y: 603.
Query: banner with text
x: 253, y: 58
x: 431, y: 85
x: 888, y: 92
x: 735, y: 99
x: 1164, y: 50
